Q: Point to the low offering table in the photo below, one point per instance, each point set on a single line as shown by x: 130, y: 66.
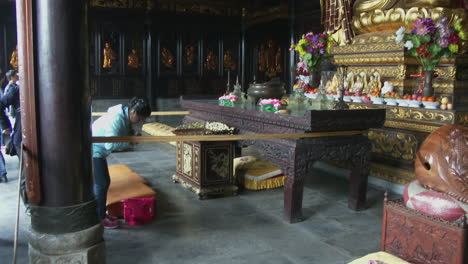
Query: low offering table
x: 293, y: 155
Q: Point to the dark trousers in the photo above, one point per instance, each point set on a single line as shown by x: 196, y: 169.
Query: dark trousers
x: 101, y: 184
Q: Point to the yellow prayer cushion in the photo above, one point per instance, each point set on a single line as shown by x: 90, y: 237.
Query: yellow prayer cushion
x: 158, y: 129
x: 260, y: 174
x: 241, y: 162
x: 383, y: 257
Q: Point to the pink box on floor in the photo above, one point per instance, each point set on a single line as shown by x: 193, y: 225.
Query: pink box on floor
x: 139, y: 211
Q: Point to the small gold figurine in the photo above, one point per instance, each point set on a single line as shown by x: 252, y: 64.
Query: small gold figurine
x: 228, y: 61
x: 210, y: 61
x: 109, y: 56
x: 261, y: 59
x: 14, y: 58
x: 278, y: 59
x: 189, y: 54
x: 133, y: 60
x: 167, y: 58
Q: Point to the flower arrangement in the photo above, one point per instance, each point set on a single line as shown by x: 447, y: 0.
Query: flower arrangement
x: 269, y: 105
x: 430, y: 42
x: 312, y: 49
x: 228, y: 100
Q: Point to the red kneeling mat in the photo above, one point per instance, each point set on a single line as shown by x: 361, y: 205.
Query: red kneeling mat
x: 126, y: 184
x: 138, y: 211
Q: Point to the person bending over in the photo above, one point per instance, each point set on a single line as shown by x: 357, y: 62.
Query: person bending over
x: 116, y: 122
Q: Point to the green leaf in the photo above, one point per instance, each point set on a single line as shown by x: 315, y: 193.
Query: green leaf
x: 416, y: 41
x: 413, y: 53
x: 434, y: 50
x: 426, y: 38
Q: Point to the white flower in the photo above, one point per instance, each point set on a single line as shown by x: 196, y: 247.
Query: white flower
x: 409, y: 44
x: 401, y: 31
x: 400, y: 34
x: 399, y: 38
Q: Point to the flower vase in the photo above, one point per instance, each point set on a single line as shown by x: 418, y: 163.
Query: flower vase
x: 314, y: 79
x: 428, y: 90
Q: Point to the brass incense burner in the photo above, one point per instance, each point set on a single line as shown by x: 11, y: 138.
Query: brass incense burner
x: 273, y: 89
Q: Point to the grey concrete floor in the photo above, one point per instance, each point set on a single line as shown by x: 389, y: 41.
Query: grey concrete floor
x: 247, y: 228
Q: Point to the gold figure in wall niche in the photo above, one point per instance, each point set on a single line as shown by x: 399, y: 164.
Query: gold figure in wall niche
x: 167, y: 58
x: 109, y: 56
x: 273, y: 60
x: 278, y: 59
x: 189, y: 54
x: 210, y: 61
x: 133, y: 60
x: 228, y: 61
x: 261, y: 59
x: 14, y: 58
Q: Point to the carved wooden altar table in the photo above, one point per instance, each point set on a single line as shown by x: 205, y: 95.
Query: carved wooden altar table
x: 293, y: 155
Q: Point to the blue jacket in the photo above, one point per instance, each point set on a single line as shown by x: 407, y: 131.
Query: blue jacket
x: 11, y: 98
x: 114, y: 123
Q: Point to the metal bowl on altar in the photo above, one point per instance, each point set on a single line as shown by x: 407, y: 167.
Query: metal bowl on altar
x: 273, y: 89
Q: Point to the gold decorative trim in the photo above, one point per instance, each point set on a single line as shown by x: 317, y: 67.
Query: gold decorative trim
x: 398, y: 71
x: 433, y: 116
x: 141, y: 4
x: 391, y: 174
x: 375, y: 59
x: 461, y: 118
x: 366, y: 48
x: 411, y: 126
x: 397, y: 145
x: 227, y: 189
x: 392, y: 19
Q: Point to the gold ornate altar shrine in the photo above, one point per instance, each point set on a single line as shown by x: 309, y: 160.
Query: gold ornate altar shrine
x: 372, y: 50
x: 206, y: 167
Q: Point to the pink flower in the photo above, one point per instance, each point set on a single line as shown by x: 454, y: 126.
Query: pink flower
x: 422, y: 31
x: 418, y: 23
x: 443, y: 42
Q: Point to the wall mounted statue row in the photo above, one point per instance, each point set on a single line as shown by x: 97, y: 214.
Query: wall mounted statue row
x: 109, y: 55
x: 210, y: 62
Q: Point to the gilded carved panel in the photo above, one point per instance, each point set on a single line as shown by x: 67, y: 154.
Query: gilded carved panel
x: 187, y: 159
x: 461, y: 118
x: 393, y: 144
x: 431, y: 116
x: 391, y: 174
x: 398, y: 71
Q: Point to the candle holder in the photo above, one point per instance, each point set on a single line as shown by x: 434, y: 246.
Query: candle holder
x: 341, y: 104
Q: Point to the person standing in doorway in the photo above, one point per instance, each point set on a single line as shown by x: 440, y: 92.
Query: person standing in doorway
x: 116, y: 122
x: 11, y: 99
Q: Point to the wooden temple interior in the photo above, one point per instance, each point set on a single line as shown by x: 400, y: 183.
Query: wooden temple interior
x: 165, y: 49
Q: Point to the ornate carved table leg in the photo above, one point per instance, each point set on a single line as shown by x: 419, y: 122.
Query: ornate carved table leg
x: 358, y: 179
x: 293, y: 189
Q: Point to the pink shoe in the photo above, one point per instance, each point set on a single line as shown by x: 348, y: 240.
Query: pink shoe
x: 112, y: 218
x: 109, y: 224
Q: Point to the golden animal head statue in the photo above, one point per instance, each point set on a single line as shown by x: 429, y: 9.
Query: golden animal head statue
x: 442, y: 161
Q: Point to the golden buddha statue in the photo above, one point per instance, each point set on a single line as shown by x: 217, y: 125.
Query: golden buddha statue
x: 109, y: 56
x: 228, y: 62
x: 133, y: 60
x: 210, y: 61
x: 337, y: 19
x: 371, y: 5
x: 389, y: 15
x: 167, y: 58
x: 14, y: 58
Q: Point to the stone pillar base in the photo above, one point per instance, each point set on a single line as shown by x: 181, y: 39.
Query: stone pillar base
x: 83, y: 247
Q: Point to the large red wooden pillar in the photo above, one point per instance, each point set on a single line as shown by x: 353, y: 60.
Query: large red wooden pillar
x: 53, y: 41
